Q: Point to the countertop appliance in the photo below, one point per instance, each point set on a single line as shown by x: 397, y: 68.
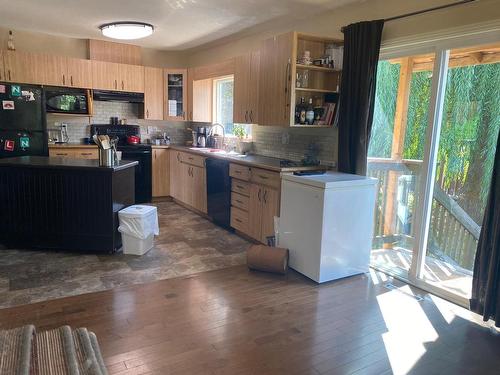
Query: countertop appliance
x: 23, y: 126
x: 327, y: 223
x: 67, y: 100
x: 218, y: 191
x: 201, y: 136
x: 139, y: 152
x: 133, y: 140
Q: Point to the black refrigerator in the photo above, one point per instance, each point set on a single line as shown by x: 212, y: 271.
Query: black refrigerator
x: 23, y: 125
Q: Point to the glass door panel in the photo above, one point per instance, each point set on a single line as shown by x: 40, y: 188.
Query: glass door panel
x: 176, y: 94
x: 466, y: 150
x: 396, y: 153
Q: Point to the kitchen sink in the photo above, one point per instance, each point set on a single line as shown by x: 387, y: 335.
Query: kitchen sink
x: 218, y: 151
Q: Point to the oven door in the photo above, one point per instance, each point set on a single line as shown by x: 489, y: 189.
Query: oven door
x: 67, y: 101
x: 143, y: 171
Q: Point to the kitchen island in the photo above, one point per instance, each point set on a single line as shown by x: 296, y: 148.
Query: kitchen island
x: 62, y: 203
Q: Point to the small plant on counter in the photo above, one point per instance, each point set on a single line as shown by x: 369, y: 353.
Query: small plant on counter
x: 239, y: 131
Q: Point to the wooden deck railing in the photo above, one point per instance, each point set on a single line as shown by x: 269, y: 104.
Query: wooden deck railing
x: 453, y: 233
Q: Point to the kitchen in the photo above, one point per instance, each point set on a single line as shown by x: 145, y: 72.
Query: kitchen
x: 205, y: 200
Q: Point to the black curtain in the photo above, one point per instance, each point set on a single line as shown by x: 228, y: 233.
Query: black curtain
x: 357, y: 94
x: 486, y: 279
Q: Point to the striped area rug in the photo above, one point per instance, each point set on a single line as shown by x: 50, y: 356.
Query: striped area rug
x: 61, y: 351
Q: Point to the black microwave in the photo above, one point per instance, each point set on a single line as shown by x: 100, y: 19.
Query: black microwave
x: 70, y: 101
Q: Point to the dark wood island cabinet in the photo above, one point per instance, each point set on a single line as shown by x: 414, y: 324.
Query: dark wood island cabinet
x: 59, y: 203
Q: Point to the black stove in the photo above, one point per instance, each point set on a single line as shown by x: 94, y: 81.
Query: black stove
x: 139, y: 152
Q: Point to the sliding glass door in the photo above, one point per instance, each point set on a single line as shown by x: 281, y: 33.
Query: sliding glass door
x: 436, y: 122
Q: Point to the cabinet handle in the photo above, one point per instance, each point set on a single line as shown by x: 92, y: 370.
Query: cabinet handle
x: 251, y: 117
x: 246, y: 116
x: 154, y: 153
x: 237, y: 172
x: 123, y: 86
x: 64, y: 80
x: 183, y: 115
x: 265, y: 195
x: 240, y: 202
x: 258, y: 195
x: 86, y: 153
x: 238, y: 220
x: 263, y: 177
x: 178, y: 157
x: 71, y: 79
x: 10, y: 79
x: 240, y: 187
x: 287, y: 79
x: 147, y: 113
x: 116, y: 85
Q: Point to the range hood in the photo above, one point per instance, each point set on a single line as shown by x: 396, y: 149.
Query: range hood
x: 118, y: 96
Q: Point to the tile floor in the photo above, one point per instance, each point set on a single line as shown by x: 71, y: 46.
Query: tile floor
x: 188, y: 244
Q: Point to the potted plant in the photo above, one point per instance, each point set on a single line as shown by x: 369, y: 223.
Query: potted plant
x: 244, y: 143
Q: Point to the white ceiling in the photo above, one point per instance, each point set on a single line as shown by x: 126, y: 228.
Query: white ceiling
x: 179, y: 24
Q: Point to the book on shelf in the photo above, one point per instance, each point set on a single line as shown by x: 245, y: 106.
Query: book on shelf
x: 327, y: 116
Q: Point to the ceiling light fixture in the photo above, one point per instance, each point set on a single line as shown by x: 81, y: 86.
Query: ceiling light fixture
x: 127, y: 30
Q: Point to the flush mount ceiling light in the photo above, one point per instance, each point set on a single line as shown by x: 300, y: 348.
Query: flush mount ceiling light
x: 126, y: 30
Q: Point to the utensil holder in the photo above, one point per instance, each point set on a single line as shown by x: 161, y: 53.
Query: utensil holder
x: 106, y: 158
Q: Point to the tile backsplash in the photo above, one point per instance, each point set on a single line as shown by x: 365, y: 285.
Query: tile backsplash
x: 79, y: 127
x: 283, y: 143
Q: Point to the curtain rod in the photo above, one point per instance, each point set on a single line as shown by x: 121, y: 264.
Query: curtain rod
x: 461, y: 2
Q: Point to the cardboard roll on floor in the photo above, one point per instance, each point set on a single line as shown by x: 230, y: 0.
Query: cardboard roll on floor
x: 268, y: 259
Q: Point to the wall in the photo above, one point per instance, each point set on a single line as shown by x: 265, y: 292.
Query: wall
x: 79, y: 127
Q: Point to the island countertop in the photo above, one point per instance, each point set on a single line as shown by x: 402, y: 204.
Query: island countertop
x: 63, y: 163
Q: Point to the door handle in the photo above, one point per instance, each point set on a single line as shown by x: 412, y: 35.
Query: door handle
x: 71, y: 79
x: 10, y: 79
x: 123, y: 86
x: 64, y: 80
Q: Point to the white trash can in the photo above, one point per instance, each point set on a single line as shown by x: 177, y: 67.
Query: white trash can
x: 138, y: 226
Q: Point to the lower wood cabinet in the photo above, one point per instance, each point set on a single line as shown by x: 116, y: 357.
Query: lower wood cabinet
x: 74, y: 153
x: 254, y: 204
x: 188, y: 180
x: 161, y: 172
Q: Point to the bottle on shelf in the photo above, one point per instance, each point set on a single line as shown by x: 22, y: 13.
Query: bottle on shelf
x: 310, y: 113
x: 302, y: 113
x: 298, y: 107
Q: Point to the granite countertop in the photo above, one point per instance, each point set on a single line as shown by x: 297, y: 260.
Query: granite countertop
x: 63, y: 163
x: 251, y: 160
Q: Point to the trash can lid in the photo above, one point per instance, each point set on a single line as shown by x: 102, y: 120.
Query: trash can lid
x: 137, y: 210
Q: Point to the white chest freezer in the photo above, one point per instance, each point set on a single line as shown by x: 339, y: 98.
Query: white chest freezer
x: 327, y: 222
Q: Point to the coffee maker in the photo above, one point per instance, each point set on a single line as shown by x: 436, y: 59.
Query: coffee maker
x: 201, y: 136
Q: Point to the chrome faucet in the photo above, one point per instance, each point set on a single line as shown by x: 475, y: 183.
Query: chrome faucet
x: 212, y: 134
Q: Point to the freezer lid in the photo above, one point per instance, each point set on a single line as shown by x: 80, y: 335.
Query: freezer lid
x: 331, y: 180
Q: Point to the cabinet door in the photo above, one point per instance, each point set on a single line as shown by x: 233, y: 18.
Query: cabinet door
x: 270, y: 209
x: 255, y: 211
x: 176, y: 175
x: 79, y: 73
x: 253, y: 88
x: 153, y: 93
x: 161, y: 175
x: 90, y: 153
x: 198, y: 189
x: 276, y: 56
x: 202, y: 100
x: 131, y: 78
x: 2, y: 67
x: 241, y: 90
x: 54, y: 70
x: 62, y: 153
x: 177, y: 94
x: 105, y: 75
x: 24, y: 67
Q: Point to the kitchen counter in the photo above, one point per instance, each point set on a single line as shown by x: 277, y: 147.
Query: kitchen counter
x: 259, y: 161
x: 63, y: 203
x: 63, y: 163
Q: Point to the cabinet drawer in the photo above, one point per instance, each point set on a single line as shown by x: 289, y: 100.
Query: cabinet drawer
x: 264, y: 177
x: 239, y: 219
x: 57, y: 152
x: 192, y: 159
x: 239, y: 171
x: 240, y: 201
x: 240, y: 187
x: 87, y: 154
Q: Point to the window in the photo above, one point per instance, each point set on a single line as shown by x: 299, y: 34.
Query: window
x: 223, y: 105
x: 434, y: 166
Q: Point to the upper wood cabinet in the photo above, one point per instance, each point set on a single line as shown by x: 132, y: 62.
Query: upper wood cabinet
x: 153, y: 93
x: 276, y: 56
x: 246, y: 88
x: 176, y: 95
x: 202, y: 100
x: 2, y: 67
x: 24, y: 67
x: 79, y: 72
x: 117, y: 77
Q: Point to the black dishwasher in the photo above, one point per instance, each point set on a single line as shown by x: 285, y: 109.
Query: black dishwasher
x: 218, y: 191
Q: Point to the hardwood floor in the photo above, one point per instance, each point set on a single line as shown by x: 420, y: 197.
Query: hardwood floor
x: 234, y: 321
